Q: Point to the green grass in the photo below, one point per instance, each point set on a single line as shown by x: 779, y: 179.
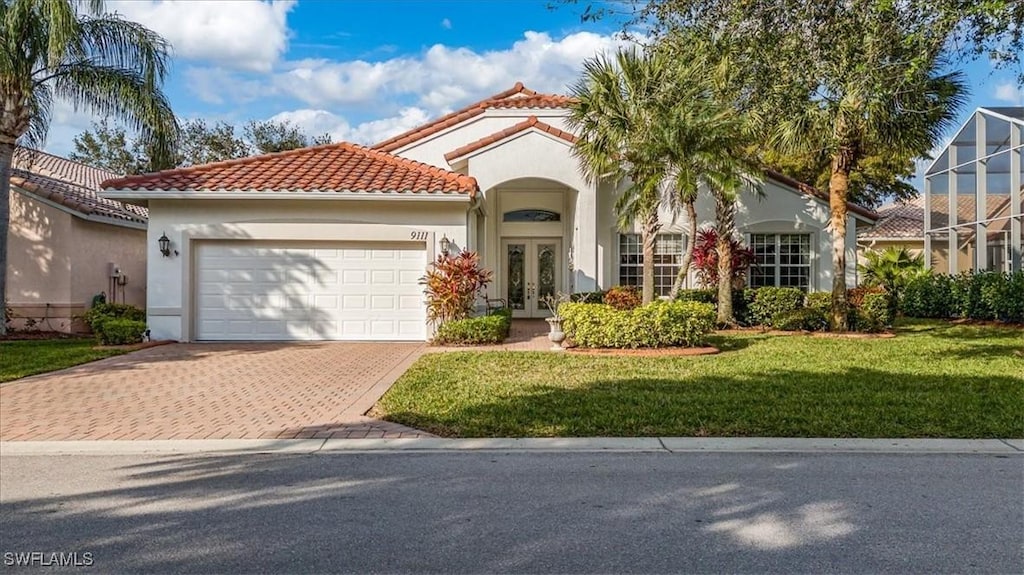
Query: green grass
x: 29, y: 357
x: 933, y: 380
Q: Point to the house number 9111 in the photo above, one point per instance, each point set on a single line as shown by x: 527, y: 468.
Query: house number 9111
x: 421, y: 236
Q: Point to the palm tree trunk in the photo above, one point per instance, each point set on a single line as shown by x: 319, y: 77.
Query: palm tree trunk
x: 725, y: 222
x: 649, y: 234
x: 839, y: 187
x: 6, y: 160
x: 684, y: 268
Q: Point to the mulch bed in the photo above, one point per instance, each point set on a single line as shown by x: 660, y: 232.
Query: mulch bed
x: 40, y: 335
x: 646, y: 351
x: 847, y: 335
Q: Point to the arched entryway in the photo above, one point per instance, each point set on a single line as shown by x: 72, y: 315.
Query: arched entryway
x: 531, y: 228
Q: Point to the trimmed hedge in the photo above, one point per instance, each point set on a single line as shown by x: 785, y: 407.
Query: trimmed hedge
x: 483, y: 330
x: 657, y: 324
x: 121, y: 331
x: 980, y: 296
x: 99, y: 315
x: 741, y: 300
x: 772, y: 301
x: 805, y: 319
x: 819, y: 300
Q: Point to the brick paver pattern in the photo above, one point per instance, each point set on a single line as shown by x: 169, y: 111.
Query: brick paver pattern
x: 212, y: 391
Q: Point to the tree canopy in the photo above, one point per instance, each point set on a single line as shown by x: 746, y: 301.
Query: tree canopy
x: 109, y: 147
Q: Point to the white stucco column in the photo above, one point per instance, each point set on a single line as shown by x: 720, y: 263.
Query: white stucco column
x: 585, y: 257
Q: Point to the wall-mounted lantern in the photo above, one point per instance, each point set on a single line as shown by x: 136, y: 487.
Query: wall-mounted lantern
x: 446, y: 245
x: 165, y: 246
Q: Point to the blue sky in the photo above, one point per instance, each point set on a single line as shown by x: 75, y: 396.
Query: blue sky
x: 365, y: 70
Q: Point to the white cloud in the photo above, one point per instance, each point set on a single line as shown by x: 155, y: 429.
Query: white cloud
x: 316, y: 122
x: 65, y: 124
x: 249, y: 35
x: 1010, y: 92
x: 444, y: 76
x: 446, y: 24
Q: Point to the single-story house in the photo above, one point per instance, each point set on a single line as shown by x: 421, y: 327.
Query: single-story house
x: 901, y: 224
x: 66, y: 244
x: 329, y: 242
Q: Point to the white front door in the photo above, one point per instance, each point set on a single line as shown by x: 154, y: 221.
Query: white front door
x: 532, y: 271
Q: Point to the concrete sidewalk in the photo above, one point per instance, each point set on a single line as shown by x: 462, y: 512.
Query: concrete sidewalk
x: 591, y: 444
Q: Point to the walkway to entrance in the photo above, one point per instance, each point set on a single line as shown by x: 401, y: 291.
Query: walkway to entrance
x: 526, y: 335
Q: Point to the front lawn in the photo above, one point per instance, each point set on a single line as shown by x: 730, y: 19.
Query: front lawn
x: 933, y: 380
x: 20, y: 358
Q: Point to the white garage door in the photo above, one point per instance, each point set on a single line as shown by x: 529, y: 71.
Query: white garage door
x: 300, y: 291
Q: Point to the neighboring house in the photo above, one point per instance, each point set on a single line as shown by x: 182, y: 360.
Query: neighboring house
x: 329, y: 242
x: 66, y: 244
x: 981, y: 173
x: 902, y: 225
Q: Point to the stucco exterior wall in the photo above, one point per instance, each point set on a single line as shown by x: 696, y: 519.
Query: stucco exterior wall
x: 189, y: 221
x: 98, y: 245
x: 56, y: 263
x: 431, y: 150
x: 39, y: 244
x: 778, y: 210
x: 538, y: 161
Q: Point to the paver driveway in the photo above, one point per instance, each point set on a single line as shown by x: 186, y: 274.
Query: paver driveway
x: 212, y: 391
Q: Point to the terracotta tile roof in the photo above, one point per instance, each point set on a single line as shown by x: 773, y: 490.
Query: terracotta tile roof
x: 901, y: 220
x: 815, y: 192
x: 531, y: 122
x: 906, y: 219
x: 517, y: 96
x: 71, y: 184
x: 340, y: 167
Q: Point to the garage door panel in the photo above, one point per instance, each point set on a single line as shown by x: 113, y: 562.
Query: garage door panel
x: 250, y: 291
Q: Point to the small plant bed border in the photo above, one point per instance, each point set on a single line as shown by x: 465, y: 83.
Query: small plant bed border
x: 832, y: 334
x: 645, y: 351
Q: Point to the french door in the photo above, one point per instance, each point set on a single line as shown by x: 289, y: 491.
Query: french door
x: 532, y: 272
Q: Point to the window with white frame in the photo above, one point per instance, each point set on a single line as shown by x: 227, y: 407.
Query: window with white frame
x: 781, y: 260
x: 668, y: 256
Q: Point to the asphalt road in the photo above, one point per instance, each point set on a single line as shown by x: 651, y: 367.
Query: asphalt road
x: 518, y: 512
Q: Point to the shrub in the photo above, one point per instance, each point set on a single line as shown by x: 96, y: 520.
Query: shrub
x: 452, y: 286
x: 874, y: 313
x: 741, y: 299
x: 100, y: 314
x: 805, y: 319
x: 491, y: 328
x: 980, y: 296
x: 705, y: 258
x: 1006, y: 297
x: 623, y: 297
x: 771, y: 301
x: 698, y: 295
x: 819, y: 300
x: 657, y: 324
x: 121, y: 331
x: 929, y: 296
x: 587, y: 297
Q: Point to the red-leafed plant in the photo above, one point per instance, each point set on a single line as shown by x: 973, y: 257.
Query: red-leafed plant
x: 452, y: 285
x: 623, y: 297
x: 705, y: 259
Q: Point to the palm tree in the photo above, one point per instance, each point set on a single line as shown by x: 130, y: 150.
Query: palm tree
x: 74, y: 51
x: 705, y: 136
x: 858, y: 112
x: 620, y: 106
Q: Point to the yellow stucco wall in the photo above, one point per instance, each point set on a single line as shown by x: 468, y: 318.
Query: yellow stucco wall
x: 56, y: 262
x: 96, y: 247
